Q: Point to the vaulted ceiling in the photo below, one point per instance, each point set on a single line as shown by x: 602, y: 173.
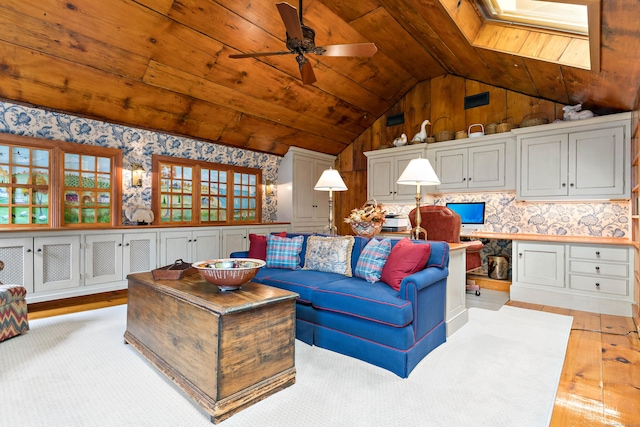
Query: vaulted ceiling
x: 164, y: 65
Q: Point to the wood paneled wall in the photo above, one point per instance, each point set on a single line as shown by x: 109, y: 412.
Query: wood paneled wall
x: 441, y: 100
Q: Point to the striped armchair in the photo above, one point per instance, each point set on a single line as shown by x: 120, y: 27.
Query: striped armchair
x: 13, y: 310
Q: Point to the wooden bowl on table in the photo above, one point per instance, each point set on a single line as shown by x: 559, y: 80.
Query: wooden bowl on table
x: 229, y: 274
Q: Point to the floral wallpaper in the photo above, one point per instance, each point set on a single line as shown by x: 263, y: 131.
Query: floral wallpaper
x: 504, y: 214
x: 137, y: 146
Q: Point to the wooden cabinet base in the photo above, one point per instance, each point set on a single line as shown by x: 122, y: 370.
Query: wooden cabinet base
x: 226, y: 350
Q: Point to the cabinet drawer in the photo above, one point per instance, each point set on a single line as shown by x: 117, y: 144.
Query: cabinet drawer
x: 596, y: 253
x: 605, y: 285
x: 599, y: 269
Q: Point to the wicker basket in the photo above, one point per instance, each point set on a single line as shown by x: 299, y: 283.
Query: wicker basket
x: 429, y: 140
x: 505, y: 125
x: 366, y: 229
x: 462, y: 134
x: 445, y: 135
x: 490, y: 127
x: 534, y: 119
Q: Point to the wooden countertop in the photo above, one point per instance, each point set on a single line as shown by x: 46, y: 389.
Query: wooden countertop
x: 552, y: 238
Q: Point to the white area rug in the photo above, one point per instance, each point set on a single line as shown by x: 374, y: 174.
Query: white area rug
x: 501, y: 369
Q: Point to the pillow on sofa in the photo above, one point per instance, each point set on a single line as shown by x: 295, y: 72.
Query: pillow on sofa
x: 372, y: 260
x: 258, y: 245
x: 284, y: 252
x: 405, y: 258
x: 329, y: 254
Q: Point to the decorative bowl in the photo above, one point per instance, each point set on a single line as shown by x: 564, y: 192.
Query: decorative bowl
x: 229, y: 274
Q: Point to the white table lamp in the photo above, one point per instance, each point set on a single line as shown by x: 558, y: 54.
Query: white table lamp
x: 418, y: 172
x: 330, y: 181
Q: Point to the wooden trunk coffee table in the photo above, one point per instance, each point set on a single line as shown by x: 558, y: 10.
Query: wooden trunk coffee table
x: 226, y: 350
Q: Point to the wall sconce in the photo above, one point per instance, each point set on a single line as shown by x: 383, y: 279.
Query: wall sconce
x: 268, y: 188
x: 137, y: 172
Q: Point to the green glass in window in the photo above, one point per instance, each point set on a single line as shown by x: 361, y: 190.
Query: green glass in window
x: 176, y: 186
x: 223, y: 216
x: 204, y: 215
x: 104, y: 216
x: 176, y: 215
x: 20, y: 175
x: 165, y: 215
x: 71, y: 198
x: 104, y: 181
x: 20, y: 196
x: 103, y: 198
x: 204, y: 188
x: 71, y: 216
x: 5, y: 176
x: 4, y: 215
x: 71, y: 179
x: 88, y: 198
x: 187, y: 187
x: 88, y: 216
x: 21, y: 216
x: 236, y: 215
x: 187, y: 201
x: 176, y: 201
x: 40, y: 215
x: 40, y: 177
x: 187, y: 215
x: 87, y: 180
x: 40, y: 197
x: 252, y: 215
x: 252, y: 203
x: 4, y: 196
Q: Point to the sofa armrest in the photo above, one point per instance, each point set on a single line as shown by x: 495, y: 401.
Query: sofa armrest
x: 240, y: 254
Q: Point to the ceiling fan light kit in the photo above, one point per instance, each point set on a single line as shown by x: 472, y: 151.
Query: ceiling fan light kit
x: 301, y: 41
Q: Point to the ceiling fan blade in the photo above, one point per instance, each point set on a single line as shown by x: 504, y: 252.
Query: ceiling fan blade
x: 308, y: 76
x: 289, y: 15
x: 253, y: 55
x: 355, y: 49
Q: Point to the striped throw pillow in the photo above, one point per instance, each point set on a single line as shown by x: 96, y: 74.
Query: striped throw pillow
x: 284, y: 252
x: 372, y: 259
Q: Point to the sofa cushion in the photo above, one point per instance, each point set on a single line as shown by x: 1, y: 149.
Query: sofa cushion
x: 284, y: 252
x: 371, y: 301
x: 258, y: 245
x: 329, y: 254
x: 302, y: 282
x: 372, y: 260
x: 405, y: 258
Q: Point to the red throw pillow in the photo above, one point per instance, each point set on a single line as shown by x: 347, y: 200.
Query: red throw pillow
x: 258, y: 245
x: 405, y: 258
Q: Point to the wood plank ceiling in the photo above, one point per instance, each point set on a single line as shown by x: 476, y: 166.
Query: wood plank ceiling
x: 164, y: 65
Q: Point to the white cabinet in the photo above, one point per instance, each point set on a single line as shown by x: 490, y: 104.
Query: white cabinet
x: 234, y: 240
x: 595, y: 278
x: 484, y: 163
x: 17, y: 255
x: 539, y: 264
x: 298, y: 202
x: 189, y: 245
x: 575, y: 160
x: 110, y: 257
x: 384, y: 167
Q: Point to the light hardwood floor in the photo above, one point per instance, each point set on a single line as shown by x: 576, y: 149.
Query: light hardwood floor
x: 600, y: 382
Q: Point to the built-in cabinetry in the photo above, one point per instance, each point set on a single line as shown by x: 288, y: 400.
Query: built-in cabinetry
x: 63, y: 264
x: 596, y: 278
x: 384, y: 167
x: 298, y: 203
x: 485, y: 163
x: 575, y: 160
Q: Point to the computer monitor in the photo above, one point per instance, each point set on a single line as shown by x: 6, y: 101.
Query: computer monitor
x: 471, y: 214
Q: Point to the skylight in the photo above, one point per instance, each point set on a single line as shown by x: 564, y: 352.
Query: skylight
x: 555, y: 15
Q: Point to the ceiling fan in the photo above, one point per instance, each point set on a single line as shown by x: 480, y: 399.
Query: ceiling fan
x: 301, y: 41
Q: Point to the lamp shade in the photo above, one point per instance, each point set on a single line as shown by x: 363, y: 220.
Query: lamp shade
x: 418, y: 171
x: 330, y: 180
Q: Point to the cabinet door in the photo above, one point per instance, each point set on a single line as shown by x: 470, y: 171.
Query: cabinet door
x: 596, y: 164
x: 544, y: 166
x: 103, y: 258
x: 451, y: 168
x: 206, y: 245
x: 486, y: 166
x: 380, y: 180
x: 540, y: 264
x: 321, y: 198
x: 56, y: 263
x: 17, y: 255
x: 234, y: 240
x: 403, y: 192
x: 304, y: 179
x: 139, y: 253
x: 175, y: 245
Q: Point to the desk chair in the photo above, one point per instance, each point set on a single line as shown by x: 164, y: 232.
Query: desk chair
x: 444, y: 224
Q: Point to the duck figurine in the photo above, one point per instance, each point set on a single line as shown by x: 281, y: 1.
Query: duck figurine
x: 422, y: 135
x: 400, y: 141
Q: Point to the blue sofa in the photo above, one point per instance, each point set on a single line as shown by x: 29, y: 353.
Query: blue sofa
x: 369, y: 321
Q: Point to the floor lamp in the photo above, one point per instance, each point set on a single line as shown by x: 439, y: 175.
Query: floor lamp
x: 330, y: 181
x: 418, y: 172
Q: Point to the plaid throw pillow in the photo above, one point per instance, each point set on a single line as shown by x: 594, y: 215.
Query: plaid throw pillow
x: 372, y: 259
x: 284, y: 252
